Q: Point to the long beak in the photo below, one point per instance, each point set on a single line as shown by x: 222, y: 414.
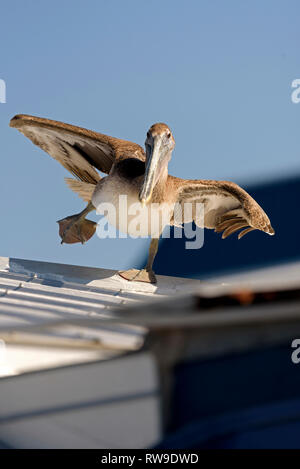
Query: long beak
x: 153, y: 158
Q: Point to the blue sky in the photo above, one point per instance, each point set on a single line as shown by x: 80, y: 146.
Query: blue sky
x: 219, y: 73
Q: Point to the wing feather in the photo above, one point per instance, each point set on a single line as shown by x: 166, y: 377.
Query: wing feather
x: 233, y: 228
x: 227, y: 223
x: 79, y: 150
x: 83, y: 189
x: 244, y: 232
x: 227, y: 207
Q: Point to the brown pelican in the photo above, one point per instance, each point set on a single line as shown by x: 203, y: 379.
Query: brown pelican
x: 143, y: 177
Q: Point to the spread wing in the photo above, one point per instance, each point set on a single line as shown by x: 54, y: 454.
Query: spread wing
x: 79, y: 150
x: 227, y: 207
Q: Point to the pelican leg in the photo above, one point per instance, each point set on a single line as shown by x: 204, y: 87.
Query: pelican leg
x: 75, y: 228
x: 145, y: 275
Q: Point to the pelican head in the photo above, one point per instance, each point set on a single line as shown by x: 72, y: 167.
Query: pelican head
x: 159, y: 146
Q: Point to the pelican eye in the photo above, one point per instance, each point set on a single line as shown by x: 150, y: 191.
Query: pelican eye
x: 169, y: 134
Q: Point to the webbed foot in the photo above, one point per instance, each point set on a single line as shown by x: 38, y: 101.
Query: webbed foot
x: 136, y: 275
x: 76, y: 229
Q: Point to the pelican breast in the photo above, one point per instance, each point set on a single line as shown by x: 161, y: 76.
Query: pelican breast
x: 117, y: 198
